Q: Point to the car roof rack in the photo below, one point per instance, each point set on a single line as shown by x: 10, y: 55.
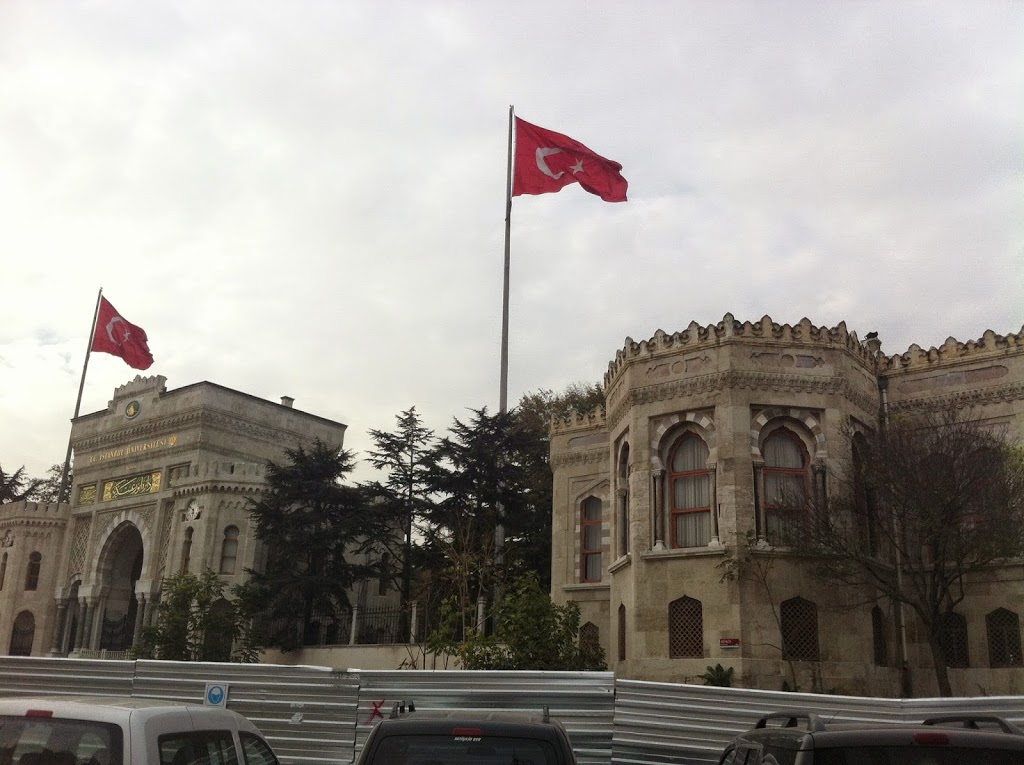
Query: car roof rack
x: 399, y: 708
x: 812, y: 722
x: 971, y: 721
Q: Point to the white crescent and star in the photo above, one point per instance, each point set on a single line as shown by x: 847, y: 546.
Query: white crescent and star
x: 110, y: 330
x: 542, y: 165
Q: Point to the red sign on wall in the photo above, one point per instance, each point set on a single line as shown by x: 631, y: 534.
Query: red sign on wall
x: 729, y: 643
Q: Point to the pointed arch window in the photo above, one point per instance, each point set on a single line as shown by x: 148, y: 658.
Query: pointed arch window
x: 186, y: 549
x: 786, y: 484
x: 690, y: 490
x: 1003, y: 627
x: 590, y: 540
x: 22, y: 634
x: 385, y: 574
x: 590, y: 638
x: 685, y: 629
x: 799, y: 619
x: 229, y: 550
x: 32, y: 572
x: 3, y: 570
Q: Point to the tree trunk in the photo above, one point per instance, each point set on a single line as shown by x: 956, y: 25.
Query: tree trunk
x: 939, y: 660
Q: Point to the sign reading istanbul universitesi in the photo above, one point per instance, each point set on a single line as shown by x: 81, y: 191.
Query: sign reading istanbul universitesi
x: 127, y: 451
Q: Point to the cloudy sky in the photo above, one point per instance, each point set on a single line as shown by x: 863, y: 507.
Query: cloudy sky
x: 307, y: 198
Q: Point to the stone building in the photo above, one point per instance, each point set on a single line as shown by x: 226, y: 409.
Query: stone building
x: 654, y: 497
x: 161, y: 482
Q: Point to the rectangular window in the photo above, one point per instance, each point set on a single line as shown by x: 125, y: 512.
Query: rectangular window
x: 590, y: 540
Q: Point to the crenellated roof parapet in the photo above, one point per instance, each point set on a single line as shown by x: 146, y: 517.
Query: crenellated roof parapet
x: 155, y: 383
x: 577, y: 421
x: 953, y: 350
x: 695, y: 337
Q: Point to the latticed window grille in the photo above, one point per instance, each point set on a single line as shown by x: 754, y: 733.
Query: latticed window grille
x: 785, y: 486
x: 880, y: 637
x: 622, y: 632
x: 953, y: 636
x: 590, y: 540
x: 590, y: 638
x: 22, y: 634
x: 799, y: 629
x: 1003, y: 629
x: 685, y: 629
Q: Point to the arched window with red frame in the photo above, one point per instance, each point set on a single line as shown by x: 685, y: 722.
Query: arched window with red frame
x: 786, y: 485
x: 590, y: 540
x: 690, y: 491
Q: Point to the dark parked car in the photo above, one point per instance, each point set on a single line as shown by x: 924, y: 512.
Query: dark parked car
x: 804, y: 738
x: 461, y: 738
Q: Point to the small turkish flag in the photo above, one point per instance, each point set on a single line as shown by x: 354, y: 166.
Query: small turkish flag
x: 547, y: 161
x: 119, y: 337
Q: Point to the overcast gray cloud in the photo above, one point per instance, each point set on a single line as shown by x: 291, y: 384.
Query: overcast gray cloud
x: 306, y: 199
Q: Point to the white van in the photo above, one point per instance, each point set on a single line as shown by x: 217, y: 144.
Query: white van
x: 97, y: 730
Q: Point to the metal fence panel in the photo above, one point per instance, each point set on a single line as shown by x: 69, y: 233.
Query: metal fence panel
x: 583, y: 701
x: 306, y: 713
x: 662, y: 723
x: 39, y: 676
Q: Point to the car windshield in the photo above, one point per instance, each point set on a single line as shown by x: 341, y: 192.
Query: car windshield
x: 53, y: 741
x: 917, y: 755
x: 462, y: 750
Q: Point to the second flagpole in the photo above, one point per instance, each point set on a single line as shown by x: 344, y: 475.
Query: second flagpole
x: 78, y: 403
x: 503, y: 393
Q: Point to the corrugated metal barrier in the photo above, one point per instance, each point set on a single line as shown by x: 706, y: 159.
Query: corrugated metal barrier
x: 583, y: 701
x: 660, y: 723
x: 317, y: 715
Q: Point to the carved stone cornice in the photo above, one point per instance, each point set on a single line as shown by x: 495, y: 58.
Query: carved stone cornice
x: 999, y: 394
x: 741, y: 380
x: 142, y: 430
x: 580, y: 458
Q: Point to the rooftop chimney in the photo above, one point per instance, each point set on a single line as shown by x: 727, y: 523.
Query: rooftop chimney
x: 287, y: 401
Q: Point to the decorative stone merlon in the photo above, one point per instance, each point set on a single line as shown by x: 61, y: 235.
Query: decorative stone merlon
x: 577, y: 421
x: 729, y: 329
x: 156, y: 384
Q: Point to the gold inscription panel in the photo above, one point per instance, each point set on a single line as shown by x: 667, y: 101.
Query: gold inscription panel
x: 126, y: 451
x: 87, y: 494
x: 133, y: 486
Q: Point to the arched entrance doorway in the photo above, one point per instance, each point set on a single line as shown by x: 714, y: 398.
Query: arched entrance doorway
x: 120, y: 568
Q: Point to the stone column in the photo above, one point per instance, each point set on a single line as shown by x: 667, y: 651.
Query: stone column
x: 148, y: 611
x: 762, y: 519
x: 716, y: 537
x: 413, y: 618
x: 139, y: 614
x: 94, y: 625
x: 58, y: 630
x: 659, y: 509
x: 623, y: 496
x: 481, y: 606
x: 83, y: 621
x: 354, y: 627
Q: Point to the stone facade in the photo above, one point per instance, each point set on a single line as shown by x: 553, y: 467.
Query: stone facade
x: 711, y: 400
x: 161, y: 482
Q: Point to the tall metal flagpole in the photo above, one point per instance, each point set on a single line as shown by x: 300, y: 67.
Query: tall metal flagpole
x: 503, y: 394
x: 78, y: 403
